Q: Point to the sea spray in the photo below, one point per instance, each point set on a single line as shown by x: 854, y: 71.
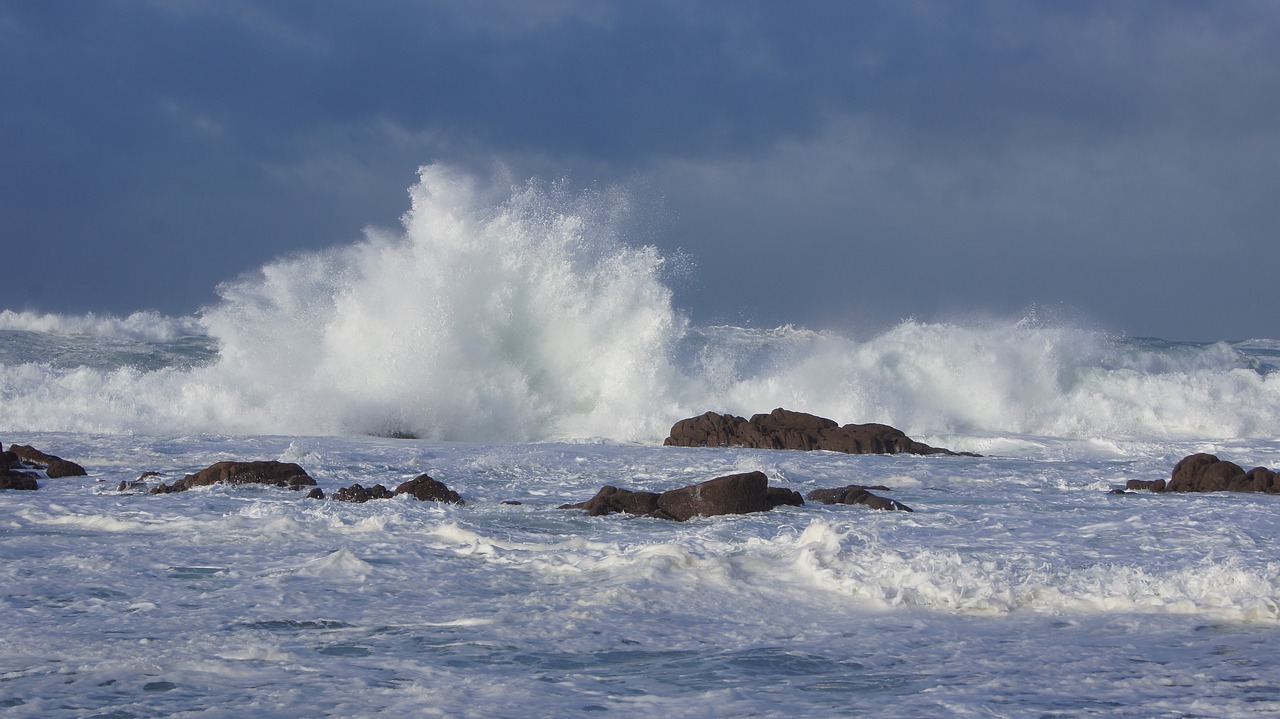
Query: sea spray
x: 514, y: 312
x: 516, y: 321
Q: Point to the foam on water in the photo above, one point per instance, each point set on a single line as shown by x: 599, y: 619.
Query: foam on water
x: 518, y: 312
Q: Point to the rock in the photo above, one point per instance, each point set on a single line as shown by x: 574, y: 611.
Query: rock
x: 1204, y: 472
x: 13, y: 479
x: 856, y: 494
x: 315, y: 493
x: 53, y: 466
x: 733, y: 494
x: 426, y: 489
x: 357, y: 493
x: 610, y: 499
x: 131, y: 486
x: 278, y: 474
x: 785, y: 429
x: 512, y: 502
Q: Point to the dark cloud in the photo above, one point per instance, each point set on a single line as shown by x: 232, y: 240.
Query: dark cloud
x: 869, y: 160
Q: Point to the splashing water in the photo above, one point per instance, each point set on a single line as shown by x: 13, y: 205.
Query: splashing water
x: 505, y: 312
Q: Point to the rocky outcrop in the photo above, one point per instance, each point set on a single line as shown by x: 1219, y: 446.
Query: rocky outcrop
x: 1206, y: 473
x: 277, y: 474
x: 14, y: 473
x: 21, y: 467
x: 785, y: 429
x: 426, y: 489
x: 856, y: 494
x: 732, y: 494
x: 53, y: 466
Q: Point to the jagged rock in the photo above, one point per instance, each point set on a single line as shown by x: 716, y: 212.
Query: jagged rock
x: 856, y: 494
x: 278, y: 474
x: 53, y: 466
x: 1156, y: 485
x: 426, y: 489
x: 732, y: 494
x: 785, y: 429
x: 358, y: 493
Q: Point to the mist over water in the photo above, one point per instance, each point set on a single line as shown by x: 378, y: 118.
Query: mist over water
x: 519, y: 312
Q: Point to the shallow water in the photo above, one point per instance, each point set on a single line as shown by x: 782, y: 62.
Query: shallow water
x: 1019, y: 587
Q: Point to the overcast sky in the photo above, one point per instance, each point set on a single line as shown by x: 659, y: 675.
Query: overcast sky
x: 829, y: 164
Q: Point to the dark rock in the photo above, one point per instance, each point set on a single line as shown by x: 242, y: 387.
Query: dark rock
x: 148, y: 475
x: 856, y: 494
x: 1156, y: 485
x: 14, y: 473
x: 779, y: 496
x: 131, y: 486
x: 315, y: 493
x: 358, y: 493
x: 785, y: 429
x: 610, y: 499
x: 732, y: 494
x: 426, y: 489
x: 512, y: 502
x: 53, y: 466
x: 1206, y: 473
x: 278, y: 474
x: 10, y: 479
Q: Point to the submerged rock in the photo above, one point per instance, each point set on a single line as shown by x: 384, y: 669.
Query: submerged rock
x: 732, y: 494
x: 785, y: 429
x: 857, y: 494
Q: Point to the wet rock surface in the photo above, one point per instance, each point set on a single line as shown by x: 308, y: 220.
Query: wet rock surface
x: 786, y: 429
x: 742, y: 493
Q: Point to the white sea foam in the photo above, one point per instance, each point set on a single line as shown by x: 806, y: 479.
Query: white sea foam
x: 145, y: 326
x: 509, y: 312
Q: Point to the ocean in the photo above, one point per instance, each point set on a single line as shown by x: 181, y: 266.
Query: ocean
x: 520, y: 350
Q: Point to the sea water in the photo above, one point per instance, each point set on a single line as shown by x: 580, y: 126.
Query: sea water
x: 535, y: 356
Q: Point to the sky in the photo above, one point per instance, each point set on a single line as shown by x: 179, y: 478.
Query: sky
x: 837, y: 165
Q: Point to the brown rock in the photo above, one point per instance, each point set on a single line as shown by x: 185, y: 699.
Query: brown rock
x: 426, y: 489
x: 610, y: 500
x: 732, y: 494
x: 278, y: 474
x: 11, y: 479
x: 358, y: 493
x: 1206, y: 473
x: 1148, y: 485
x: 785, y: 429
x: 856, y: 494
x: 53, y: 466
